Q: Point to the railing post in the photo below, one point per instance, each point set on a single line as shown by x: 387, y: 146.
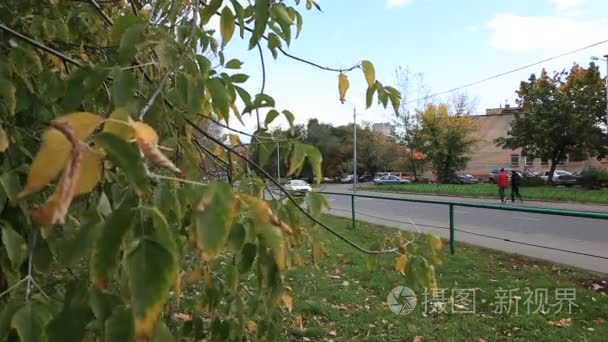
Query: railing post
x: 452, y: 242
x: 352, y: 206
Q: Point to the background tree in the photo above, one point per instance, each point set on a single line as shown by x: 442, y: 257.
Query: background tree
x: 446, y: 140
x: 562, y: 115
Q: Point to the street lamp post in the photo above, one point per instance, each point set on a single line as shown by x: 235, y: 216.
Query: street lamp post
x: 606, y: 60
x: 354, y: 149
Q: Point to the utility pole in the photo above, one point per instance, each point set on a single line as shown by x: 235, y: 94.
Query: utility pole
x: 354, y: 149
x: 278, y: 163
x: 605, y: 60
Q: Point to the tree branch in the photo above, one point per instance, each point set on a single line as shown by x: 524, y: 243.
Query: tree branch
x: 286, y: 193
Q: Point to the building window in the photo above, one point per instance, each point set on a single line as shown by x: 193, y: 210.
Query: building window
x: 544, y: 162
x: 529, y: 161
x: 515, y: 160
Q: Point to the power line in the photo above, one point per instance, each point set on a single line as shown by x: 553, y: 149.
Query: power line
x: 508, y: 72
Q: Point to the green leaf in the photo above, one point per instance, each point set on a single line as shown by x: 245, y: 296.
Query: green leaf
x: 272, y: 114
x: 315, y: 203
x: 106, y: 247
x: 369, y: 72
x: 290, y: 118
x: 124, y: 86
x: 127, y: 157
x: 239, y: 78
x: 226, y: 25
x: 234, y: 64
x: 43, y: 257
x: 161, y: 333
x: 261, y: 20
x: 369, y: 95
x: 264, y: 152
x: 7, y: 96
x: 104, y: 208
x: 221, y: 104
x: 71, y: 322
x: 243, y: 94
x: 209, y: 11
x: 121, y: 24
x: 30, y: 320
x: 129, y: 42
x: 119, y: 327
x: 237, y: 237
x: 10, y: 182
x: 212, y: 219
x: 274, y: 43
x: 296, y: 160
x: 315, y: 160
x: 151, y: 268
x: 240, y: 14
x: 16, y: 248
x: 394, y: 96
x: 247, y: 257
x: 299, y: 23
x: 6, y: 315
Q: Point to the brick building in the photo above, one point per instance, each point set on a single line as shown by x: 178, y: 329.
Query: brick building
x: 486, y: 155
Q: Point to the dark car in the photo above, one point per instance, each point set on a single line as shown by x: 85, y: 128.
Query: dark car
x: 366, y: 177
x: 466, y: 178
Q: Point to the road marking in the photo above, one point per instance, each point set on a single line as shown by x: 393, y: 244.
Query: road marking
x: 526, y: 218
x: 461, y: 212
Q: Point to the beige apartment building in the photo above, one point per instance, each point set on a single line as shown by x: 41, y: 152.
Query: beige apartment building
x: 486, y: 155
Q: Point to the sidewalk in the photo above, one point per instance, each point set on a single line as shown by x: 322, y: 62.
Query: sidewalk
x: 347, y: 188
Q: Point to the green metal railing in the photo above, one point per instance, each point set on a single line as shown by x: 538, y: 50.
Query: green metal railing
x: 452, y: 204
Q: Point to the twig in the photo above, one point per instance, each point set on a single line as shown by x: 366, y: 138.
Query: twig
x: 257, y: 110
x: 30, y: 264
x: 287, y: 194
x: 16, y: 285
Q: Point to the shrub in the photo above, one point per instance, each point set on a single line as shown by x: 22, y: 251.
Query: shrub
x: 533, y: 181
x: 594, y: 178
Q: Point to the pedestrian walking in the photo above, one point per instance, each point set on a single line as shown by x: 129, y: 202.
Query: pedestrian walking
x: 515, y: 183
x: 502, y: 181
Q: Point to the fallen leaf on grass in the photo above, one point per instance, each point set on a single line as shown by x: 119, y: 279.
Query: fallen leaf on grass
x: 599, y: 321
x: 333, y: 333
x: 417, y: 339
x: 562, y: 323
x: 181, y: 316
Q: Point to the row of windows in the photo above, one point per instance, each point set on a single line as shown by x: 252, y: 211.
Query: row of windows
x: 530, y: 161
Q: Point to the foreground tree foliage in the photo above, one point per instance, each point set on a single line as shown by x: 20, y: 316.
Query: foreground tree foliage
x: 124, y: 214
x: 563, y: 116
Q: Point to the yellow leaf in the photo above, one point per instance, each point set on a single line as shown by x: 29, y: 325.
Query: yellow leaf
x: 401, y: 263
x: 55, y: 148
x: 342, y: 86
x: 435, y: 242
x: 251, y: 326
x: 4, y: 140
x: 118, y: 124
x: 83, y: 55
x: 147, y: 139
x: 287, y: 299
x: 234, y: 139
x: 53, y: 211
x: 368, y: 72
x: 90, y: 174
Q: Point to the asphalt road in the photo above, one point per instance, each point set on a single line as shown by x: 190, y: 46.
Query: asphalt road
x: 581, y: 235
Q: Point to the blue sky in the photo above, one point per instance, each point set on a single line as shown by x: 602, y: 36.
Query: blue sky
x: 451, y: 42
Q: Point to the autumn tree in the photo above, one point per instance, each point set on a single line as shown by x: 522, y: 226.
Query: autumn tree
x: 446, y: 140
x: 563, y: 114
x: 110, y: 227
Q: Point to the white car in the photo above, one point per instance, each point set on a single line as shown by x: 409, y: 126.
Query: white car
x: 298, y: 186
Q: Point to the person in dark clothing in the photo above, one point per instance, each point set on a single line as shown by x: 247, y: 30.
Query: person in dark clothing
x: 515, y: 183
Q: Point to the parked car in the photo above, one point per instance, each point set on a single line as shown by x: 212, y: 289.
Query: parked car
x: 391, y: 180
x: 298, y: 186
x: 466, y: 178
x: 560, y: 177
x: 347, y: 179
x: 366, y: 177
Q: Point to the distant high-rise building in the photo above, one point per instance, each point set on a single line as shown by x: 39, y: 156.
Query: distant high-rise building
x: 383, y: 128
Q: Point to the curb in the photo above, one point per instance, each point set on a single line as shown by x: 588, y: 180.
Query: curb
x: 481, y: 197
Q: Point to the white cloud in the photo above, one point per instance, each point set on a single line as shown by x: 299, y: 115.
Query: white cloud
x: 567, y: 4
x: 397, y: 3
x: 522, y: 33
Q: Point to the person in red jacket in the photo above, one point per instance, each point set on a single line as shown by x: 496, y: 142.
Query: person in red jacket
x: 502, y: 181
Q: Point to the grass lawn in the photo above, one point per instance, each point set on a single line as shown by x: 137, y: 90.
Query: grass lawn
x: 489, y: 190
x: 345, y: 300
